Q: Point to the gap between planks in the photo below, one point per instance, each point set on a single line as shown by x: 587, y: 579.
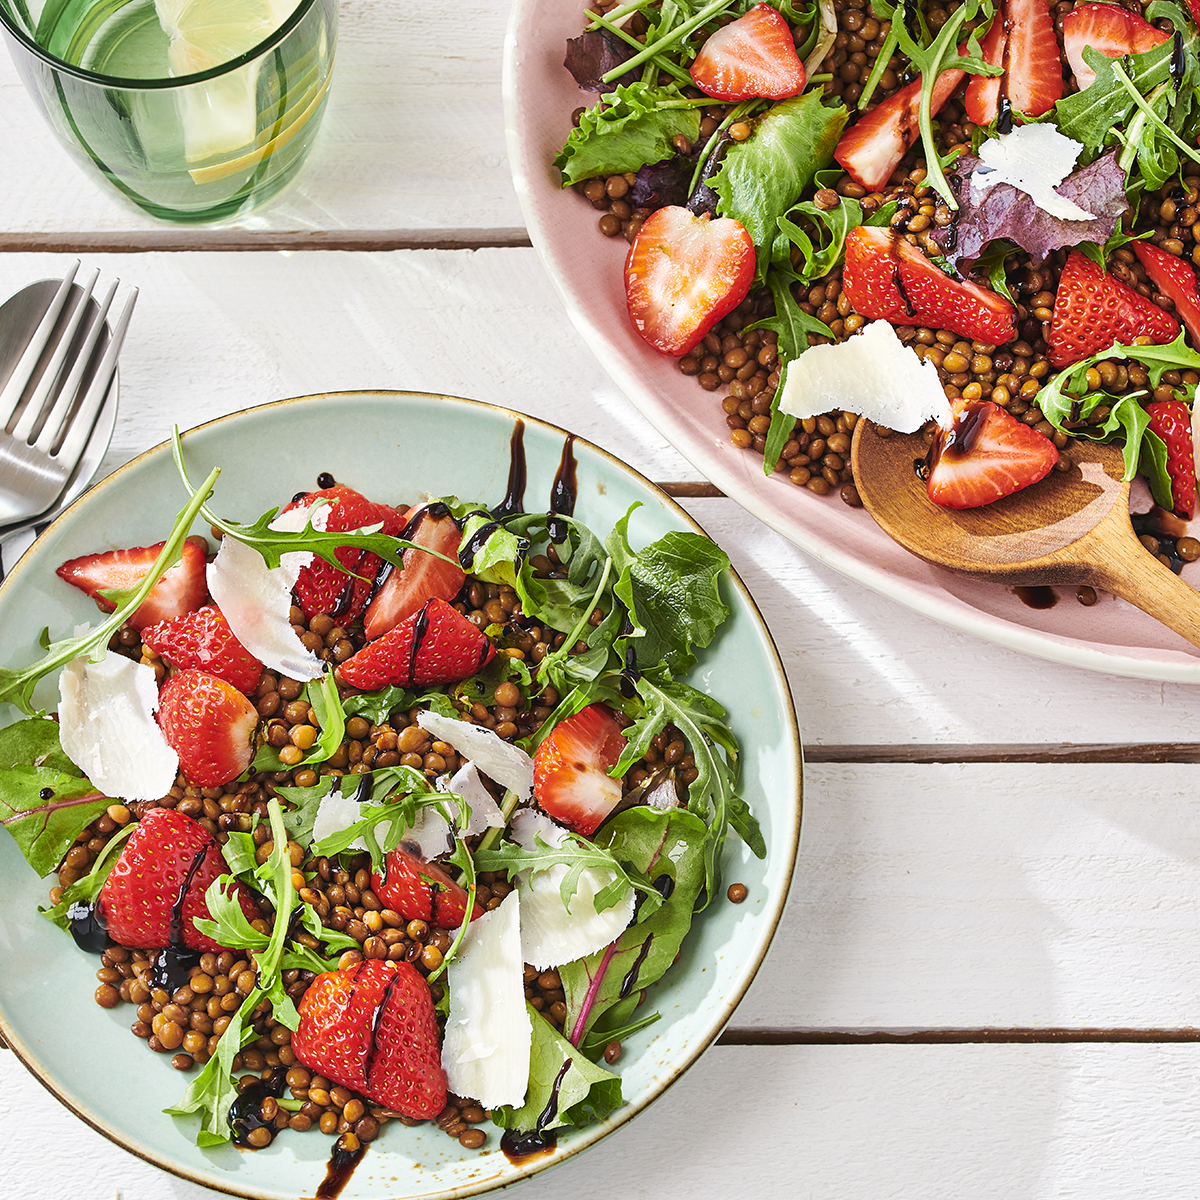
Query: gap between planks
x: 924, y: 1037
x: 154, y: 240
x: 1062, y: 752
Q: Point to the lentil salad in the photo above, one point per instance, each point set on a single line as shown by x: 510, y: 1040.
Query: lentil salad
x: 338, y: 889
x: 742, y: 358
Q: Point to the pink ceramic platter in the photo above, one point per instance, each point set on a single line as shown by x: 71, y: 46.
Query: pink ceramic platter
x: 539, y: 97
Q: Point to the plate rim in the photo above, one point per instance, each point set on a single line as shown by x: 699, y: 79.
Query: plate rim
x: 744, y: 487
x: 588, y: 1135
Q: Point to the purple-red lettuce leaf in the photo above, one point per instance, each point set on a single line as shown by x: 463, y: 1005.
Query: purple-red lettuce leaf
x: 45, y: 800
x: 592, y: 55
x: 1005, y: 212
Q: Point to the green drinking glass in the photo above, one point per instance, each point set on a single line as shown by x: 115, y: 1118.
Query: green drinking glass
x: 194, y: 110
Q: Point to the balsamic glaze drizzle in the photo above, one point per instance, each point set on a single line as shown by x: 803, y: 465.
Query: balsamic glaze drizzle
x: 563, y: 491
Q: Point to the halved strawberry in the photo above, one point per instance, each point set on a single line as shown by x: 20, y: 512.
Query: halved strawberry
x: 1092, y: 310
x: 1108, y: 28
x: 986, y: 454
x: 424, y: 577
x: 209, y: 724
x: 888, y: 279
x: 420, y: 890
x: 156, y: 887
x: 752, y: 56
x: 982, y: 100
x: 1176, y: 280
x: 1172, y: 421
x: 320, y: 586
x: 683, y: 274
x: 570, y: 769
x: 435, y: 645
x: 203, y: 639
x: 371, y: 1027
x: 181, y: 589
x: 872, y: 147
x: 1033, y: 79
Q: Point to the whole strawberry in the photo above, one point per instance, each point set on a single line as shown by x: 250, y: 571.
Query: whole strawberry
x: 435, y: 645
x: 421, y: 890
x: 1172, y: 421
x: 156, y: 887
x: 371, y: 1027
x: 203, y: 639
x: 209, y: 724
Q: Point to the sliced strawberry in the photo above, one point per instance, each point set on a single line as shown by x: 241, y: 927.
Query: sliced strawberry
x: 168, y: 855
x: 420, y: 890
x: 1176, y: 280
x: 424, y: 577
x: 570, y: 769
x: 872, y: 147
x: 683, y: 274
x: 1033, y: 79
x: 209, y: 724
x: 321, y: 587
x: 371, y: 1027
x: 435, y: 645
x: 181, y: 589
x: 1108, y: 28
x: 203, y: 639
x: 888, y: 279
x: 752, y: 56
x: 1092, y: 310
x: 1172, y: 421
x: 986, y: 454
x: 982, y: 100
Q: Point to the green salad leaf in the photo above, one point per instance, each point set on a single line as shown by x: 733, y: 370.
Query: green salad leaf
x: 603, y: 989
x: 45, y: 800
x: 762, y: 178
x: 565, y: 1087
x: 636, y: 125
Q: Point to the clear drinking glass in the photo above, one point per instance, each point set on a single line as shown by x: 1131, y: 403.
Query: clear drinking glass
x: 197, y: 147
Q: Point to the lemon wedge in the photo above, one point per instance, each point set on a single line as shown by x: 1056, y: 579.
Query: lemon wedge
x: 219, y: 116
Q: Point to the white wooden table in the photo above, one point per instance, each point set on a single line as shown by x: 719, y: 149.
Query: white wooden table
x: 987, y: 983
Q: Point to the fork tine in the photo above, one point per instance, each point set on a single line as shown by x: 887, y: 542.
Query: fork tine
x: 56, y: 421
x: 10, y: 397
x: 40, y: 399
x: 81, y: 427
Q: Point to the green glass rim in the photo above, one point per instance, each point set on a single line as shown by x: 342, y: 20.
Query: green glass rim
x: 138, y: 85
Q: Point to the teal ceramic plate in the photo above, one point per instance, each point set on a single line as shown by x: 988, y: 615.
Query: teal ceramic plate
x: 393, y: 446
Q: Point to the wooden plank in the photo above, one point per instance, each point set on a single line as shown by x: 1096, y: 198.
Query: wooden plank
x: 217, y: 240
x: 1000, y: 752
x: 989, y: 896
x: 217, y: 332
x: 1043, y: 1122
x: 412, y: 139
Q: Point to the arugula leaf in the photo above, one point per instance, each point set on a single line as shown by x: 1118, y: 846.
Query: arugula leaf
x: 1065, y: 400
x: 638, y: 127
x: 17, y: 684
x: 44, y: 805
x: 762, y: 178
x: 565, y: 1087
x: 578, y: 855
x: 832, y: 226
x: 322, y: 696
x: 214, y: 1089
x: 603, y: 989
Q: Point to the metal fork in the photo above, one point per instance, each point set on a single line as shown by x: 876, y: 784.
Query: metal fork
x: 47, y: 411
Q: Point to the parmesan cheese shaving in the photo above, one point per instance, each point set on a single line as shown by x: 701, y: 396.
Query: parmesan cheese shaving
x: 1035, y: 159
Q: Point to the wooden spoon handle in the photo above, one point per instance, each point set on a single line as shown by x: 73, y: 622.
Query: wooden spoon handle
x: 1131, y: 572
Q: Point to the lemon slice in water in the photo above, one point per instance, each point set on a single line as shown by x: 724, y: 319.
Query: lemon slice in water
x: 219, y: 116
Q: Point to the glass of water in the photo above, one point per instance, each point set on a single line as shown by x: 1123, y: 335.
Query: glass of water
x: 194, y: 110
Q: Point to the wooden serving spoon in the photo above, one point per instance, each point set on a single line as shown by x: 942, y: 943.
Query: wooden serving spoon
x: 1073, y: 527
